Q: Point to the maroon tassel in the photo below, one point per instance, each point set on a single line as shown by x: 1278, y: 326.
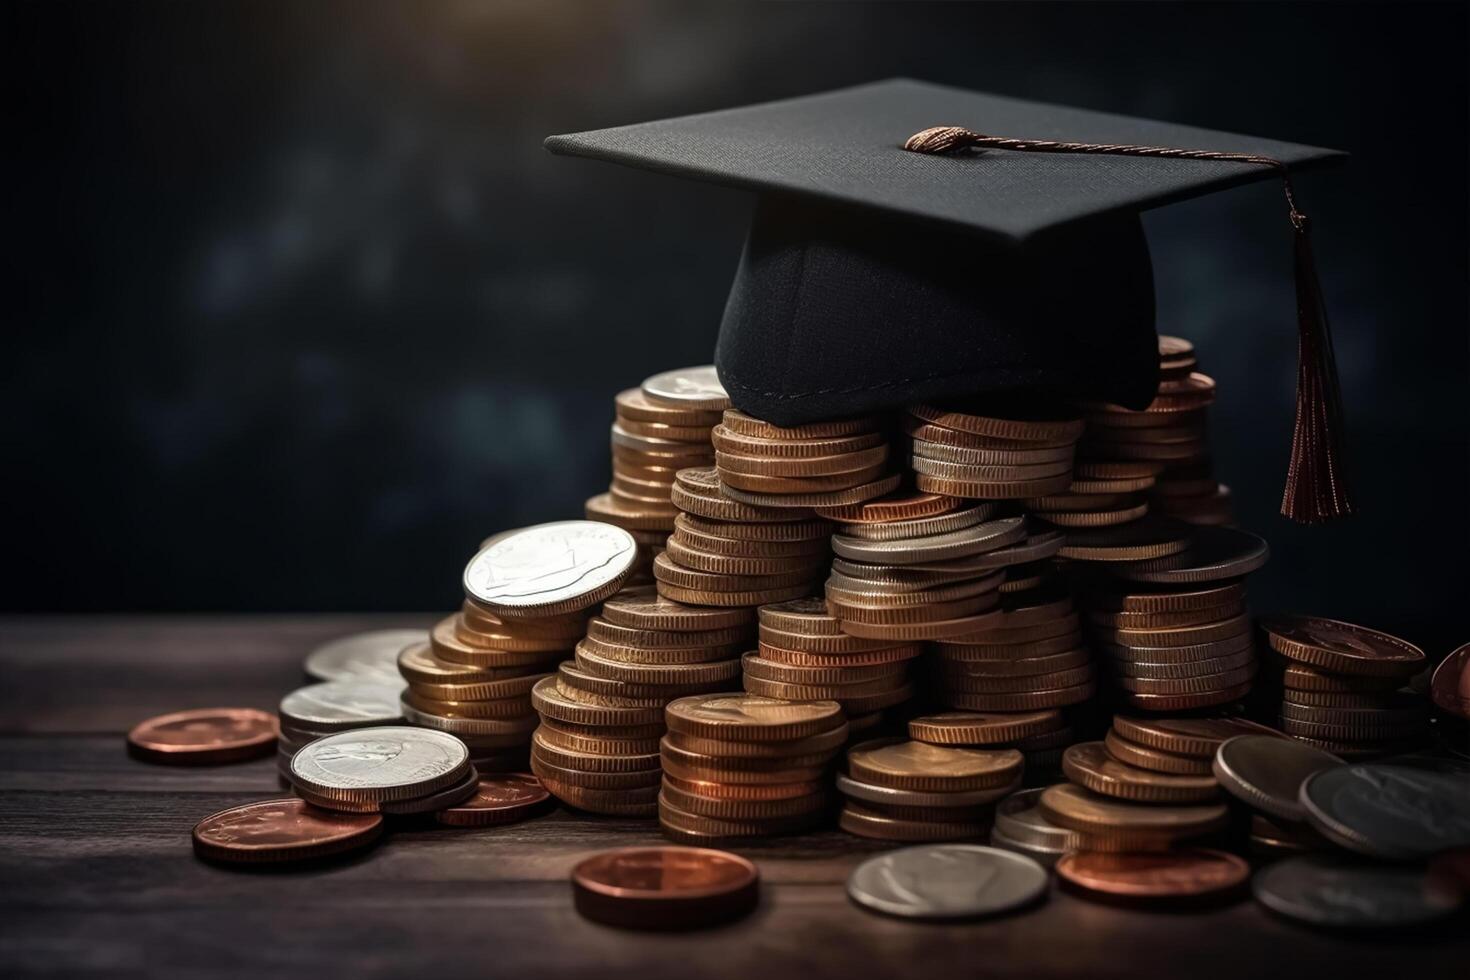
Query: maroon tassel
x: 1316, y: 489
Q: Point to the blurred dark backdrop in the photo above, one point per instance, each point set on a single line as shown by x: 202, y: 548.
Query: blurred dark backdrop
x: 301, y: 310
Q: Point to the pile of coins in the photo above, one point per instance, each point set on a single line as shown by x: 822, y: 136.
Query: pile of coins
x: 1007, y: 456
x: 901, y: 790
x: 1186, y: 488
x: 746, y: 766
x: 1040, y: 736
x: 393, y: 769
x: 804, y: 655
x: 661, y: 427
x: 1341, y: 686
x: 602, y: 716
x: 727, y: 553
x: 319, y: 710
x: 824, y: 464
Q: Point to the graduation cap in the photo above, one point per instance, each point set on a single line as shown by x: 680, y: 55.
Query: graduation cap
x: 920, y: 243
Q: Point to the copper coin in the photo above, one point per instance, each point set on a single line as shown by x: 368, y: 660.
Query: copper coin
x: 1090, y: 764
x: 1215, y: 554
x: 904, y: 764
x: 1181, y: 874
x: 895, y: 507
x: 204, y: 736
x: 1186, y: 736
x: 1069, y: 805
x: 1040, y: 427
x: 501, y: 798
x: 278, y: 831
x: 1450, y: 686
x: 1340, y: 647
x: 738, y: 421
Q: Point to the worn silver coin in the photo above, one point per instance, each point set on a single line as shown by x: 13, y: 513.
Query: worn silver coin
x: 691, y: 387
x: 1328, y: 890
x: 1020, y: 826
x: 362, y: 656
x: 390, y: 762
x: 551, y: 569
x: 1392, y: 812
x: 947, y: 881
x: 338, y: 705
x: 1266, y: 772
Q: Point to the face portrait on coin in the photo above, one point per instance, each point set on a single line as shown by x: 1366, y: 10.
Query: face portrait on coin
x: 550, y: 563
x: 342, y: 756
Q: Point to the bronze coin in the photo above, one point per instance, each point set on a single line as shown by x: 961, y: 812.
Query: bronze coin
x: 1450, y: 686
x: 664, y: 887
x: 978, y: 728
x: 824, y: 498
x: 895, y: 507
x: 1299, y: 677
x: 1040, y: 427
x: 1071, y: 806
x: 867, y: 821
x: 1150, y: 537
x: 279, y: 831
x: 499, y: 799
x: 1199, y: 737
x: 1171, y: 601
x: 904, y: 764
x: 1090, y: 764
x: 743, y: 717
x: 738, y: 421
x: 1171, y: 875
x: 1341, y: 647
x: 204, y: 736
x: 1157, y: 760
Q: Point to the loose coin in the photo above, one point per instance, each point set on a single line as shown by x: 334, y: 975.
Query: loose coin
x: 380, y: 764
x: 499, y: 798
x: 204, y: 736
x: 1341, y: 647
x: 664, y: 887
x: 1172, y: 875
x: 1267, y: 772
x: 551, y: 569
x: 947, y: 881
x: 365, y: 656
x: 281, y: 831
x: 1328, y: 890
x: 1386, y: 811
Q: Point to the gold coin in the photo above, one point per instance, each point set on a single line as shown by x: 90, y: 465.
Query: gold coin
x: 745, y: 791
x: 723, y: 808
x: 1018, y: 702
x: 742, y: 717
x: 706, y: 597
x: 905, y: 764
x: 738, y: 421
x: 830, y: 498
x: 1037, y: 429
x: 1090, y: 765
x: 1012, y: 490
x: 821, y: 743
x: 447, y: 646
x: 982, y: 728
x: 883, y: 655
x: 550, y: 702
x: 633, y: 404
x: 651, y: 611
x: 1075, y: 808
x: 1145, y: 756
x: 868, y: 822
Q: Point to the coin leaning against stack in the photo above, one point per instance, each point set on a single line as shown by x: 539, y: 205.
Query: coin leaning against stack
x: 744, y: 766
x: 391, y: 769
x: 602, y: 718
x: 727, y: 553
x: 1007, y: 454
x: 902, y: 790
x: 318, y: 710
x: 823, y: 464
x: 1342, y: 687
x: 661, y: 427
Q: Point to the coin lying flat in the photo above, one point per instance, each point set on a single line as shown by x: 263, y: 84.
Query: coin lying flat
x: 691, y: 387
x: 903, y: 764
x: 377, y: 764
x: 1386, y: 811
x: 1071, y: 806
x: 204, y: 737
x: 947, y: 881
x: 1020, y: 826
x: 281, y: 831
x: 550, y: 569
x: 1089, y: 764
x: 336, y: 705
x: 751, y: 717
x: 363, y: 656
x: 1267, y: 772
x: 500, y: 798
x: 1174, y: 875
x: 665, y: 887
x: 1328, y: 890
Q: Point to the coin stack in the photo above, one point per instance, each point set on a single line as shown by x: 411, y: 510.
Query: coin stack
x: 392, y: 769
x: 746, y: 766
x: 1187, y: 488
x: 1039, y: 735
x: 319, y: 710
x: 727, y: 553
x: 1020, y: 827
x: 1342, y: 687
x: 804, y: 656
x: 824, y: 464
x: 602, y: 716
x: 661, y: 427
x: 902, y: 790
x: 996, y: 455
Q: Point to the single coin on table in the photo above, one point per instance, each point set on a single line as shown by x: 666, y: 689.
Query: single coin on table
x: 1333, y: 891
x: 550, y: 569
x: 947, y: 881
x: 282, y: 831
x: 204, y: 736
x: 1267, y: 772
x: 366, y: 656
x: 375, y: 765
x: 1387, y: 811
x: 665, y: 887
x: 1184, y: 874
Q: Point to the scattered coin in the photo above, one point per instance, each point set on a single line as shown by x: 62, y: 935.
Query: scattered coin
x: 1172, y: 875
x: 1267, y: 772
x: 371, y: 656
x: 947, y: 881
x: 1332, y: 891
x: 665, y: 887
x: 282, y: 831
x: 499, y: 798
x: 204, y: 736
x: 1391, y: 812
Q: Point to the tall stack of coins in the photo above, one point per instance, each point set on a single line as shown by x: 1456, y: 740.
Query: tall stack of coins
x: 394, y: 770
x: 602, y: 716
x: 804, y: 655
x: 745, y: 766
x: 1342, y: 687
x: 527, y: 594
x: 319, y: 710
x: 824, y: 464
x: 661, y: 428
x: 727, y: 553
x: 902, y: 790
x: 1009, y: 455
x: 1039, y: 735
x: 1186, y: 488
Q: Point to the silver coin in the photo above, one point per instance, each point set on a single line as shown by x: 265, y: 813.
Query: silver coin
x: 1392, y: 812
x: 934, y: 547
x: 402, y: 761
x: 691, y: 387
x: 947, y: 881
x: 1267, y: 773
x: 1018, y: 817
x: 433, y: 802
x: 1326, y: 890
x: 1047, y: 857
x: 337, y: 705
x: 551, y: 568
x: 366, y: 656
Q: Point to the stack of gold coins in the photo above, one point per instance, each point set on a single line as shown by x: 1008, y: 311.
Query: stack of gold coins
x: 901, y: 790
x: 804, y: 655
x: 1342, y: 687
x: 727, y: 553
x: 745, y: 766
x: 661, y: 428
x: 1108, y: 823
x: 1174, y: 631
x: 824, y: 464
x: 1040, y: 736
x: 994, y: 455
x: 602, y: 716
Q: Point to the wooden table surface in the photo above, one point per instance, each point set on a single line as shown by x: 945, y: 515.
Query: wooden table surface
x: 99, y: 876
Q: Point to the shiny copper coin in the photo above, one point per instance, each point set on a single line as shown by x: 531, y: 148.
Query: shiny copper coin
x: 1089, y: 764
x: 1007, y: 490
x: 1230, y: 680
x: 738, y: 421
x: 635, y: 405
x: 1039, y: 428
x: 745, y: 791
x: 680, y: 824
x: 825, y: 498
x: 650, y: 611
x: 808, y: 566
x: 664, y: 887
x: 1057, y: 698
x: 1450, y: 685
x: 1303, y: 678
x: 978, y: 728
x: 1185, y: 702
x: 627, y: 515
x: 789, y: 528
x: 884, y: 510
x: 800, y: 485
x: 723, y: 808
x: 1341, y: 647
x: 905, y: 764
x: 742, y: 717
x: 1156, y: 760
x: 204, y: 736
x: 745, y: 547
x: 805, y: 467
x: 732, y: 443
x: 1173, y: 875
x: 823, y: 743
x: 1024, y: 455
x: 867, y: 821
x: 1199, y: 737
x: 826, y: 643
x: 1165, y: 620
x: 551, y: 701
x: 1071, y: 806
x: 697, y: 491
x: 883, y: 655
x: 282, y: 831
x: 749, y: 598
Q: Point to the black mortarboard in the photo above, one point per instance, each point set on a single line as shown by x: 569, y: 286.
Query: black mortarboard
x: 876, y: 277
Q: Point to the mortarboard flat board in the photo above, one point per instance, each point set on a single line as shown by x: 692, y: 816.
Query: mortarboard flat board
x: 875, y: 277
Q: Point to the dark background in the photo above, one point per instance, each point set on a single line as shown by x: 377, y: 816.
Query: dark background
x: 300, y: 310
